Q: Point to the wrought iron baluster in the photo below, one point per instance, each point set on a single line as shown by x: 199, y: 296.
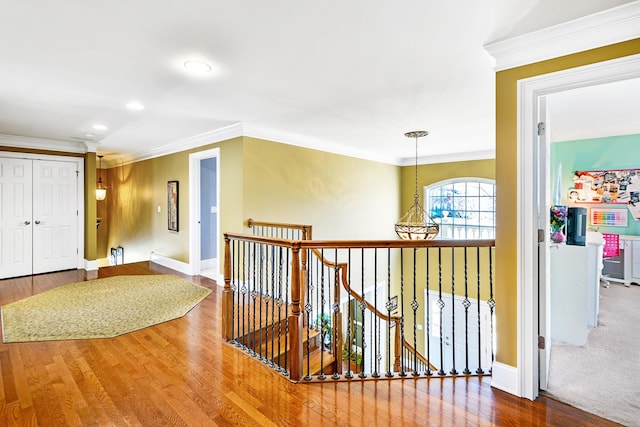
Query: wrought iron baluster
x: 279, y: 303
x: 491, y: 302
x: 362, y: 373
x: 414, y: 306
x: 479, y: 370
x: 453, y: 312
x: 441, y: 305
x: 376, y: 320
x: 466, y: 303
x: 322, y: 320
x: 272, y: 299
x: 235, y: 262
x: 308, y: 307
x: 349, y: 374
x: 389, y: 308
x: 336, y: 320
x: 427, y: 310
x: 402, y: 372
x: 287, y: 301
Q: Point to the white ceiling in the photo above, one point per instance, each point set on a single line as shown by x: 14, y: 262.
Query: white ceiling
x: 349, y: 77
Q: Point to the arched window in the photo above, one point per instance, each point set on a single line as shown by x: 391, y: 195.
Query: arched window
x: 465, y: 208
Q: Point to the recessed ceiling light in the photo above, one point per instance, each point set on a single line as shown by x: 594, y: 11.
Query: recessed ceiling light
x: 89, y: 135
x: 98, y: 126
x: 197, y: 66
x: 135, y: 105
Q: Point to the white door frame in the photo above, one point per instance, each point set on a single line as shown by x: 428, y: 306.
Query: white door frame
x: 79, y: 161
x: 194, y: 208
x: 529, y: 92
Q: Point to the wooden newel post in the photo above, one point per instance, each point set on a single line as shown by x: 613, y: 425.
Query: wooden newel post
x: 295, y: 319
x: 398, y: 347
x: 227, y: 295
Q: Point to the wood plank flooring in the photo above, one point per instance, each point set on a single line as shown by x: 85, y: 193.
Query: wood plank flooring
x: 180, y: 373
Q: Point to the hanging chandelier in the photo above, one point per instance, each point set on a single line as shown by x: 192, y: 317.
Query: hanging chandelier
x: 416, y: 224
x: 101, y: 190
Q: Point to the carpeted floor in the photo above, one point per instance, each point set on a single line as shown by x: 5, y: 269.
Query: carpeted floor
x: 100, y: 308
x: 603, y: 377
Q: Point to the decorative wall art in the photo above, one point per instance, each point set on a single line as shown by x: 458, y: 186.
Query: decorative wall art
x: 606, y: 186
x: 619, y: 186
x: 172, y: 205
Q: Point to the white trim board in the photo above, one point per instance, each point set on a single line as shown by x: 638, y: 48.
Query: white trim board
x: 610, y: 26
x: 171, y: 263
x: 530, y: 91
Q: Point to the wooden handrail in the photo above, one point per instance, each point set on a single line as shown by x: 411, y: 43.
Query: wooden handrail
x: 418, y: 355
x: 365, y: 244
x: 305, y: 229
x: 298, y: 282
x: 347, y: 287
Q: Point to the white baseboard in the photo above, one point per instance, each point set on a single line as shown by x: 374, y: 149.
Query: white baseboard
x: 505, y: 378
x: 90, y: 265
x: 180, y: 266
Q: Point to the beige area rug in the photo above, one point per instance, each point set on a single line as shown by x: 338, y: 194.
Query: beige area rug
x: 100, y: 308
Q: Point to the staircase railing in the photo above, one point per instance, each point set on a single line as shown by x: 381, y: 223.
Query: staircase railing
x: 351, y: 309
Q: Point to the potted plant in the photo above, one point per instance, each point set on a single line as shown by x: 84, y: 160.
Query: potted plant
x: 351, y: 359
x: 324, y: 323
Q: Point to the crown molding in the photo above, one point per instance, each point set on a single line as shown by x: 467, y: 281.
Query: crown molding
x: 218, y: 135
x: 448, y: 158
x: 610, y: 26
x: 297, y: 140
x: 43, y: 144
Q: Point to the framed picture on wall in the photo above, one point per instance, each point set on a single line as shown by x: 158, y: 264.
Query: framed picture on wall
x: 172, y: 205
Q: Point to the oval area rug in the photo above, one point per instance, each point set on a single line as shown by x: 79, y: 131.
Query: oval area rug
x: 101, y: 308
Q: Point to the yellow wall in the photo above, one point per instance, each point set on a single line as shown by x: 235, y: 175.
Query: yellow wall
x: 507, y: 182
x: 342, y: 197
x: 90, y: 233
x: 137, y: 189
x: 427, y: 175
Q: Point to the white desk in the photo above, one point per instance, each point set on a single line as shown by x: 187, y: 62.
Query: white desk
x: 575, y: 289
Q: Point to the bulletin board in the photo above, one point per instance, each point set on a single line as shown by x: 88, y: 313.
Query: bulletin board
x: 615, y: 187
x: 621, y: 186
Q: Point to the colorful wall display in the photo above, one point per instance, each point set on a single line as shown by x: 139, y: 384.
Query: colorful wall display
x: 620, y: 186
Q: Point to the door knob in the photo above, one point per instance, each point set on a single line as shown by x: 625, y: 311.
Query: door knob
x: 27, y: 222
x: 37, y: 222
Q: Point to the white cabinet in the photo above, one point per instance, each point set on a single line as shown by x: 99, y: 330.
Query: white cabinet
x: 631, y: 258
x: 575, y: 285
x: 630, y: 245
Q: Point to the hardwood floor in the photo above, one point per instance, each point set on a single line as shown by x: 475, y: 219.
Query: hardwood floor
x: 180, y: 373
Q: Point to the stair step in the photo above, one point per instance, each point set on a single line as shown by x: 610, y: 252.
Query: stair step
x: 315, y: 366
x: 265, y: 349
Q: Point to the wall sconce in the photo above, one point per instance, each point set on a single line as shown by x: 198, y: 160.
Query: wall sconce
x: 101, y: 190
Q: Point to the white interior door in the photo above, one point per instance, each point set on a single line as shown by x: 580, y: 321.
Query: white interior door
x: 16, y: 226
x: 55, y: 216
x: 441, y: 328
x: 543, y: 201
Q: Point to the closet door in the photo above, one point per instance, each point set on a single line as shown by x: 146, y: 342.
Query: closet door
x: 16, y: 226
x: 55, y: 216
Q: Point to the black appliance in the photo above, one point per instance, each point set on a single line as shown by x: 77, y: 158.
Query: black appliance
x: 577, y: 226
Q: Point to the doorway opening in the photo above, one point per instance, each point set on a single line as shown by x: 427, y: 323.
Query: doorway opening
x: 204, y: 208
x: 534, y: 178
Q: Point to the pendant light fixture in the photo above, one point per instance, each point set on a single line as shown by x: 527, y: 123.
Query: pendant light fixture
x: 101, y: 190
x: 416, y: 224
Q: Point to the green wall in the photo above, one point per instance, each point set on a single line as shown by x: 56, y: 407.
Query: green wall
x: 613, y: 152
